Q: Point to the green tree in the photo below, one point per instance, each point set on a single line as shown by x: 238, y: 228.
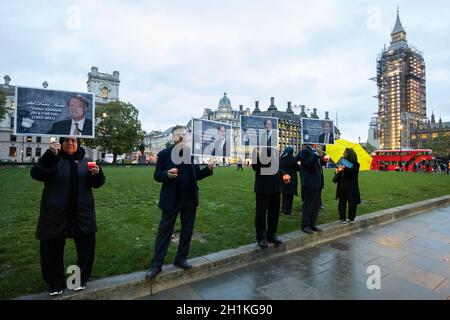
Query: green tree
x: 169, y: 144
x: 368, y: 147
x: 3, y: 109
x: 118, y: 129
x: 440, y: 145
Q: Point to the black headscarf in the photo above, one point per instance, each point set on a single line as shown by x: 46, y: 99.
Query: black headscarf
x: 77, y: 155
x: 351, y: 155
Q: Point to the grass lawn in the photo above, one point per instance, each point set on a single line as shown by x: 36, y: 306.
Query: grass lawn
x: 128, y: 217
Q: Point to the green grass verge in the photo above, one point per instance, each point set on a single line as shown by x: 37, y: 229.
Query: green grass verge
x: 128, y: 217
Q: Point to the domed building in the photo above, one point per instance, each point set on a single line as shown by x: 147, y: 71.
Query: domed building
x: 226, y: 114
x: 224, y: 102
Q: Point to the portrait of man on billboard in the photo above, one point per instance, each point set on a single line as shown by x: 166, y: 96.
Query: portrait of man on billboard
x: 77, y: 124
x: 327, y: 137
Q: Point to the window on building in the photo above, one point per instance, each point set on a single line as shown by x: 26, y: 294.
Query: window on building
x: 28, y: 152
x: 105, y: 93
x: 414, y: 137
x: 435, y: 135
x: 12, y: 138
x: 29, y: 139
x: 38, y: 139
x: 38, y: 152
x: 12, y: 151
x: 11, y: 124
x: 424, y: 136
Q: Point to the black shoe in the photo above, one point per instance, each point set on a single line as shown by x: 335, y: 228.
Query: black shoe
x: 55, y: 292
x: 275, y: 241
x: 313, y: 228
x: 183, y: 265
x: 263, y: 244
x: 307, y: 230
x: 81, y: 287
x: 152, y: 273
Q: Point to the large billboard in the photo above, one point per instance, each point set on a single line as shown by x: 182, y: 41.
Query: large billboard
x: 46, y: 112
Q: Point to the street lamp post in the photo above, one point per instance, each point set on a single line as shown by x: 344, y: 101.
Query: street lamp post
x: 22, y: 148
x: 401, y: 164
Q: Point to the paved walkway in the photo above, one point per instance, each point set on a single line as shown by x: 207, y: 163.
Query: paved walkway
x: 413, y: 255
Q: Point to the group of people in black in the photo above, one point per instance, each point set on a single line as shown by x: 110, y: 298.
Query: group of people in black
x: 276, y: 183
x: 67, y: 205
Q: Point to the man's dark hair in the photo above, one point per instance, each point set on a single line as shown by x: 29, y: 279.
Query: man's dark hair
x: 79, y: 97
x: 265, y: 121
x: 178, y: 127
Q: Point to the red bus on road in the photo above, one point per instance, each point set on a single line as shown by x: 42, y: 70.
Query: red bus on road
x: 390, y: 160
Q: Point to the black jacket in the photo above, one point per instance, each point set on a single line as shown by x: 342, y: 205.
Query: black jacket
x: 168, y: 194
x: 311, y: 173
x: 67, y: 203
x: 63, y: 127
x: 290, y: 166
x: 220, y: 152
x: 264, y: 183
x: 347, y: 184
x: 322, y: 138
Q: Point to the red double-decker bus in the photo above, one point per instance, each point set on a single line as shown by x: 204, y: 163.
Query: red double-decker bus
x: 396, y: 160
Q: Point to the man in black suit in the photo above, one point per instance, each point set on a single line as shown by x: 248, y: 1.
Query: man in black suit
x: 267, y: 134
x: 179, y: 194
x: 78, y: 124
x: 311, y: 175
x: 267, y: 188
x: 220, y: 144
x: 327, y: 137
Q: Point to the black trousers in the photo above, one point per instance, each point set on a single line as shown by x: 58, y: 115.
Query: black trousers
x: 342, y: 207
x: 187, y: 209
x: 287, y: 202
x: 239, y: 167
x: 267, y: 215
x: 52, y: 260
x: 311, y: 206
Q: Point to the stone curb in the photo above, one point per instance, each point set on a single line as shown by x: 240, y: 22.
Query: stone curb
x: 134, y: 285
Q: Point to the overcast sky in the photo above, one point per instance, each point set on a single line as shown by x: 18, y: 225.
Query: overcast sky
x: 177, y: 57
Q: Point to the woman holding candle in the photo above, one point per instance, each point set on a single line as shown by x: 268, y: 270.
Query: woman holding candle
x: 67, y: 210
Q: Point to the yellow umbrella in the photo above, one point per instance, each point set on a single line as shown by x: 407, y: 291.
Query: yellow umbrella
x: 336, y: 151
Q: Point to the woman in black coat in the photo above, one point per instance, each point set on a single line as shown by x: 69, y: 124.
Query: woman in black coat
x: 67, y: 210
x: 290, y: 166
x: 347, y: 190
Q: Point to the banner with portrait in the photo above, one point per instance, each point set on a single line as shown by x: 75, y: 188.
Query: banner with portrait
x: 317, y: 131
x: 257, y: 131
x: 45, y: 112
x: 211, y: 138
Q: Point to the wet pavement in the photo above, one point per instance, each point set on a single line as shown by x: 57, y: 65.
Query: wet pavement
x: 413, y: 256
